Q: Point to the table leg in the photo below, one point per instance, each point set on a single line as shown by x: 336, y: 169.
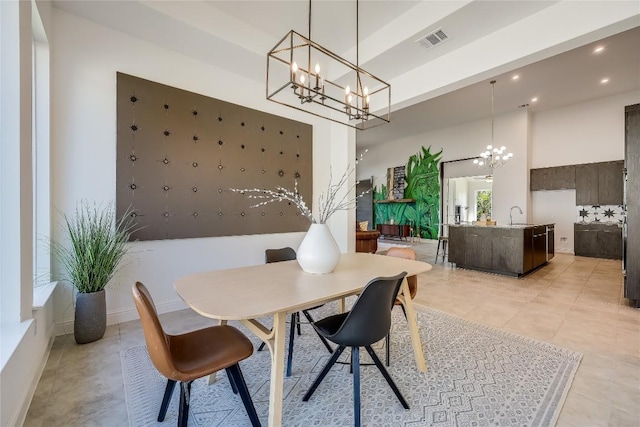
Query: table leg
x: 277, y: 369
x: 406, y: 301
x: 274, y: 338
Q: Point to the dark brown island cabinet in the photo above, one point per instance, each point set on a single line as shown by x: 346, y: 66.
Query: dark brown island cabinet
x: 512, y: 250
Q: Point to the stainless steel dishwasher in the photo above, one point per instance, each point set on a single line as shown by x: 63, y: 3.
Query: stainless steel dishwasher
x: 551, y: 243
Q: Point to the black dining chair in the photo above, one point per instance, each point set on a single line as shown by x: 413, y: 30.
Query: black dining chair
x: 368, y: 322
x: 288, y: 254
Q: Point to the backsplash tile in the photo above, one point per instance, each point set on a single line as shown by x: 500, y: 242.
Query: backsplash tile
x: 606, y: 213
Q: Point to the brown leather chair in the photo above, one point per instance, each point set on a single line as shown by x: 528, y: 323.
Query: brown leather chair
x: 412, y: 281
x: 193, y: 355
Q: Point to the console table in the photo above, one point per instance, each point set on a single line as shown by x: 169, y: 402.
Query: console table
x: 394, y: 230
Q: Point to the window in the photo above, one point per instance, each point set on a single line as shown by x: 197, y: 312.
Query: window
x: 483, y: 204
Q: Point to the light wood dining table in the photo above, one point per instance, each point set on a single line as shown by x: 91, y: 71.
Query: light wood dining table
x: 276, y: 289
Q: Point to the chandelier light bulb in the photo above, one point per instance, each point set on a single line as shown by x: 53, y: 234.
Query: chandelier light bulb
x: 366, y: 91
x: 302, y: 78
x: 347, y: 90
x: 294, y: 67
x: 475, y: 161
x: 489, y: 147
x: 503, y: 148
x: 481, y: 163
x: 317, y: 68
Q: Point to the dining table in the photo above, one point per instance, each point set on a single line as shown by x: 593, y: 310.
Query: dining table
x: 273, y: 290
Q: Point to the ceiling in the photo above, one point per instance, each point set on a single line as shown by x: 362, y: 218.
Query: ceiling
x: 236, y: 35
x: 568, y: 78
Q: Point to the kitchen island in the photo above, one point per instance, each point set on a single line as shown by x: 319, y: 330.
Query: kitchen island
x: 512, y: 250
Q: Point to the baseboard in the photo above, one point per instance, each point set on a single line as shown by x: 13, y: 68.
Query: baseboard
x: 122, y: 316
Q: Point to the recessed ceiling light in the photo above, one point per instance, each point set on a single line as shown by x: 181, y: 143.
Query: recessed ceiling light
x: 605, y: 80
x: 515, y: 77
x: 534, y: 99
x: 598, y: 49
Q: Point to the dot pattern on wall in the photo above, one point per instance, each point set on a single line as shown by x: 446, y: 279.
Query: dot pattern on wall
x: 179, y: 153
x: 605, y: 214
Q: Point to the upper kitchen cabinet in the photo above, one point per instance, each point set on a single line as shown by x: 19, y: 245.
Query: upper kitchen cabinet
x: 599, y: 183
x: 587, y: 184
x: 610, y: 183
x: 556, y: 178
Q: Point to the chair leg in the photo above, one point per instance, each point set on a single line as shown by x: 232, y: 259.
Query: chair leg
x: 168, y: 391
x: 444, y: 250
x: 355, y: 362
x: 292, y: 333
x: 324, y: 373
x: 183, y: 412
x: 298, y: 323
x: 261, y: 346
x: 386, y: 376
x: 323, y: 339
x: 238, y: 378
x: 437, y: 252
x: 388, y: 346
x: 232, y: 381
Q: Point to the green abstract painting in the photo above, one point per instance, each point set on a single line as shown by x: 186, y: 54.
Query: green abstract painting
x: 423, y: 186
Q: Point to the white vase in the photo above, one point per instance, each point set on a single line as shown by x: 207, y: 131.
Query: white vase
x: 318, y: 253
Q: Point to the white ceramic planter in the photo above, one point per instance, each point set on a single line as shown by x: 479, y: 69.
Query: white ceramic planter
x: 318, y: 253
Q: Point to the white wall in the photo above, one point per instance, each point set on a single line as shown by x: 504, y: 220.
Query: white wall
x: 581, y: 133
x: 85, y: 59
x: 558, y: 207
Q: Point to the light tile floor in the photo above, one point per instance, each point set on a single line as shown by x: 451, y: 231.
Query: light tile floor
x: 573, y: 302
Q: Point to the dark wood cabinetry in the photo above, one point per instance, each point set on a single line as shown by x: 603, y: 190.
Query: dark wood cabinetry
x: 504, y: 250
x: 394, y: 230
x: 477, y: 248
x: 598, y: 240
x: 595, y: 183
x: 506, y: 247
x: 631, y: 261
x: 599, y: 183
x: 587, y: 184
x: 610, y: 183
x: 556, y: 178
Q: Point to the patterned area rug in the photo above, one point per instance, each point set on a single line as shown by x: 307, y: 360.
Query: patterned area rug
x: 476, y: 376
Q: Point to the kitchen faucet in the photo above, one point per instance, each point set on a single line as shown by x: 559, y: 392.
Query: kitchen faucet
x: 511, y: 211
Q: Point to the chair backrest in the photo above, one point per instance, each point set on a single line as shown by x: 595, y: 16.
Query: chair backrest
x: 277, y: 255
x: 157, y: 341
x: 406, y: 253
x: 370, y: 317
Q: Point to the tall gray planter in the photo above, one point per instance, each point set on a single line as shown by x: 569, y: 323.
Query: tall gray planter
x: 91, y: 317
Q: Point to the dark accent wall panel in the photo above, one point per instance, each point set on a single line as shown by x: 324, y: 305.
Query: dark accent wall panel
x: 179, y: 153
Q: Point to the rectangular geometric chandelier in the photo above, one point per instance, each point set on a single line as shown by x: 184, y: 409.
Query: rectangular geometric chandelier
x: 308, y: 77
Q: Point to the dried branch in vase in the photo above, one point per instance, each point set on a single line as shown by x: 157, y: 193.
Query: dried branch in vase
x: 335, y: 199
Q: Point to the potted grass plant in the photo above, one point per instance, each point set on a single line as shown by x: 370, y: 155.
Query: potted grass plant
x: 96, y: 243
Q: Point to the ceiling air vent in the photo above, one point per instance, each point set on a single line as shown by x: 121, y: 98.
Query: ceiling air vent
x: 433, y: 39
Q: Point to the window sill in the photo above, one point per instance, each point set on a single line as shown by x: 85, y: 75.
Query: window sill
x: 41, y: 294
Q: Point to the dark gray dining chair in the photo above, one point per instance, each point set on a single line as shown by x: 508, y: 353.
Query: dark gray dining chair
x: 288, y: 254
x: 368, y: 322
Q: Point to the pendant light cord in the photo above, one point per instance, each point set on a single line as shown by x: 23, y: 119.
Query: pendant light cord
x: 309, y: 20
x: 493, y: 82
